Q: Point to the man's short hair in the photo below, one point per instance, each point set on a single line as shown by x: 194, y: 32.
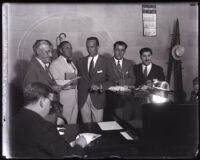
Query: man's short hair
x: 146, y: 49
x: 196, y: 80
x: 40, y: 42
x: 93, y: 38
x: 121, y: 43
x: 34, y: 91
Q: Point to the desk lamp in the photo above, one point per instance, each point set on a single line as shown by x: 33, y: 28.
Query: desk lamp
x: 159, y: 92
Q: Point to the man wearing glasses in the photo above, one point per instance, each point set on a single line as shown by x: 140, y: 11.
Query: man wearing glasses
x: 31, y: 135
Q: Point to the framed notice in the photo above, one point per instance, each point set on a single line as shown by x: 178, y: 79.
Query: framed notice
x: 149, y: 20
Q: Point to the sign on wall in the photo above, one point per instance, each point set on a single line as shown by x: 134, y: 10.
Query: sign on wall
x: 149, y: 20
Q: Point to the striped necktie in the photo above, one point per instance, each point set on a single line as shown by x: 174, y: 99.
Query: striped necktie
x: 145, y: 72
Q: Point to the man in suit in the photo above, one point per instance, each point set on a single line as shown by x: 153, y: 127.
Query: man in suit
x: 93, y: 72
x: 38, y: 71
x: 33, y: 137
x: 120, y: 68
x: 146, y: 71
x: 63, y: 69
x: 121, y: 73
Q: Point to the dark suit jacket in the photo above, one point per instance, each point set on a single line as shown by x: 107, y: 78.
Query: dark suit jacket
x: 32, y: 136
x: 127, y: 69
x: 156, y: 72
x: 36, y: 73
x: 100, y: 76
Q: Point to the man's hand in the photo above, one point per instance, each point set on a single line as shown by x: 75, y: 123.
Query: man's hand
x: 57, y: 88
x: 94, y: 87
x: 81, y: 141
x: 120, y: 82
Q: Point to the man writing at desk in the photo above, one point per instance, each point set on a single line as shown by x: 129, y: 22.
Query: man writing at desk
x: 33, y: 136
x: 146, y: 71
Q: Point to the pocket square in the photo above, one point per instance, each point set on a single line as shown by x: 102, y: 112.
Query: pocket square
x: 127, y: 72
x: 99, y: 71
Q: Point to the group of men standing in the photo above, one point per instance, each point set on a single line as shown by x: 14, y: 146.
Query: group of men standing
x: 96, y: 74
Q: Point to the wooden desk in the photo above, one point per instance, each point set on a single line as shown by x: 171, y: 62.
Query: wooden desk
x: 125, y: 105
x: 113, y: 144
x: 110, y: 144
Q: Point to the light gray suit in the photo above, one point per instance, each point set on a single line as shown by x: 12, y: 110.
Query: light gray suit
x: 68, y: 97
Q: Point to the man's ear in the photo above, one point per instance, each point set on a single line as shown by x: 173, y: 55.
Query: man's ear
x: 41, y: 102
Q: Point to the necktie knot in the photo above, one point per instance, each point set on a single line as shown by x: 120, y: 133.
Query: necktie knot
x: 118, y: 63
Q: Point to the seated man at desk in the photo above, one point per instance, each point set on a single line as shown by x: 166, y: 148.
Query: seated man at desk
x: 120, y: 68
x: 146, y: 71
x: 31, y: 135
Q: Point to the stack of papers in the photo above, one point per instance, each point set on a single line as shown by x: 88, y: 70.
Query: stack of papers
x: 110, y: 125
x: 119, y: 88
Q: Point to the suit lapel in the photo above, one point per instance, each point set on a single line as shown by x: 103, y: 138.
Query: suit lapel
x: 85, y: 67
x: 124, y: 66
x: 141, y: 71
x: 97, y: 65
x: 151, y: 71
x: 115, y: 68
x: 43, y: 72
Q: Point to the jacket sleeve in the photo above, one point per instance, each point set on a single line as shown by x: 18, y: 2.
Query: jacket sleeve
x: 30, y: 77
x: 162, y: 75
x: 54, y: 69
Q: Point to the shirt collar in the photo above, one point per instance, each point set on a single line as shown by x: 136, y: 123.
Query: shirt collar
x: 120, y: 61
x: 148, y: 67
x: 95, y: 57
x: 42, y: 64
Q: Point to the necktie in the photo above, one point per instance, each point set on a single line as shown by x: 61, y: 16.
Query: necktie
x: 145, y: 72
x: 91, y: 68
x: 119, y: 68
x: 49, y: 73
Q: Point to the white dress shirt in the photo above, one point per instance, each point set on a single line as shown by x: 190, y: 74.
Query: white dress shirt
x: 120, y: 62
x: 148, y: 68
x: 94, y: 60
x: 42, y: 64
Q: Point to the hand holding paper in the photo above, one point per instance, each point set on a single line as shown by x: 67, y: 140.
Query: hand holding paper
x: 66, y: 83
x: 88, y: 137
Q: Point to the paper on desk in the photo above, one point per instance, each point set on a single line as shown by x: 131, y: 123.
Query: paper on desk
x: 89, y: 137
x: 125, y: 135
x: 119, y: 88
x: 110, y: 125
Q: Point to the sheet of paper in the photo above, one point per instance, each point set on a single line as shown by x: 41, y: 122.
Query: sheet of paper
x: 110, y: 125
x: 119, y: 88
x: 125, y: 135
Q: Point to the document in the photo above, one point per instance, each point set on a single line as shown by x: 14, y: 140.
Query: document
x: 110, y: 125
x: 119, y: 88
x: 66, y: 83
x: 125, y: 135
